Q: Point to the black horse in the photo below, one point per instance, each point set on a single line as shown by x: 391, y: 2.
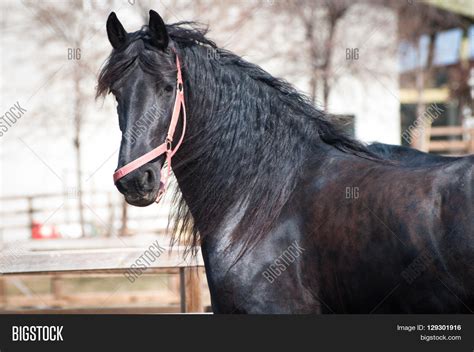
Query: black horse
x: 292, y: 215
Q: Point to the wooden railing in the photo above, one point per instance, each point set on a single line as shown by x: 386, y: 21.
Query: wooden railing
x: 108, y: 254
x: 454, y: 140
x: 106, y: 213
x: 57, y: 260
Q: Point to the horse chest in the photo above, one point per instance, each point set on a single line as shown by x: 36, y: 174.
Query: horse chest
x: 266, y: 279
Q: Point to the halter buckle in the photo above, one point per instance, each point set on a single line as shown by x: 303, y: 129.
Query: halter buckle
x: 169, y: 144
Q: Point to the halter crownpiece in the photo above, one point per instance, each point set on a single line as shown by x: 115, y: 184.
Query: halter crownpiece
x: 166, y: 147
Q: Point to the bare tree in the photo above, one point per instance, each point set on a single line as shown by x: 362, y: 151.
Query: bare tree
x: 325, y: 27
x: 69, y: 27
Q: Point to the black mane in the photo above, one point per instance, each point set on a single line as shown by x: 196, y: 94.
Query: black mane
x: 250, y: 145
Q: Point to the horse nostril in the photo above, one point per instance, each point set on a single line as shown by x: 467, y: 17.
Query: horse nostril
x: 148, y: 180
x: 141, y: 183
x: 120, y: 186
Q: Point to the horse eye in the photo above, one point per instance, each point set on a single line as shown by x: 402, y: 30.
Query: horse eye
x: 169, y: 88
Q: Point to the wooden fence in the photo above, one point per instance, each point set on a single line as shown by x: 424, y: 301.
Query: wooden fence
x: 106, y: 212
x: 108, y: 255
x: 57, y: 260
x: 450, y: 140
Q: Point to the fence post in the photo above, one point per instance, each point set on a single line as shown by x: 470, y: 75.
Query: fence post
x: 193, y: 290
x: 124, y: 226
x: 56, y: 288
x: 3, y: 293
x: 31, y: 211
x: 182, y: 290
x: 110, y: 205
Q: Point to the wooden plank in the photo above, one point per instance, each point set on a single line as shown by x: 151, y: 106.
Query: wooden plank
x: 448, y: 131
x: 93, y: 260
x: 437, y: 146
x: 430, y: 95
x: 91, y: 299
x: 38, y: 195
x: 108, y: 310
x: 142, y: 241
x: 93, y: 273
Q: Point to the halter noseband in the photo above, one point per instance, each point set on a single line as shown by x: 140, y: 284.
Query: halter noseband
x: 166, y: 147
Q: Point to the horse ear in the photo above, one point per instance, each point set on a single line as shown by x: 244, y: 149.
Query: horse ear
x: 158, y: 32
x: 115, y: 31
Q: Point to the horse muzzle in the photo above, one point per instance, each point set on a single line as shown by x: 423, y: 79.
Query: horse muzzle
x: 142, y: 187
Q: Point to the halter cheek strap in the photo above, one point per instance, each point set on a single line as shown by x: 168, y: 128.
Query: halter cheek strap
x: 166, y: 147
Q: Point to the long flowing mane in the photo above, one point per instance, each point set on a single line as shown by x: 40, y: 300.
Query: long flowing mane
x: 251, y: 144
x: 258, y: 136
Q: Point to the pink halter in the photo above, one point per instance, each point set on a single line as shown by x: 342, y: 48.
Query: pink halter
x: 165, y: 147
